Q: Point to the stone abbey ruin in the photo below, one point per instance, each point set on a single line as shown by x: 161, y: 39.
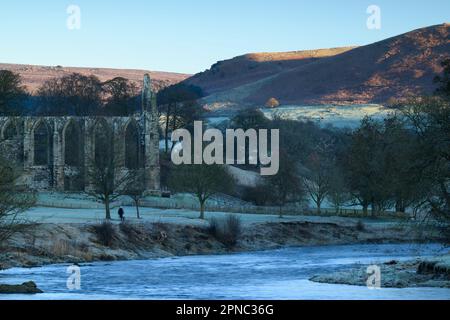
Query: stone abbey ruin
x: 54, y: 153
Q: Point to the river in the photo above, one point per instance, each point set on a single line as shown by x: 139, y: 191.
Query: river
x: 274, y: 274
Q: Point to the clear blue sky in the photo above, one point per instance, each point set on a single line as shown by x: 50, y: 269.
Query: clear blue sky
x: 189, y: 36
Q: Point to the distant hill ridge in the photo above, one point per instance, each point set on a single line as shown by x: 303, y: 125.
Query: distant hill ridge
x: 33, y: 76
x: 393, y: 68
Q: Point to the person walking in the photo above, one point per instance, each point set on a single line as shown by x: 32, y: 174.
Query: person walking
x: 121, y: 213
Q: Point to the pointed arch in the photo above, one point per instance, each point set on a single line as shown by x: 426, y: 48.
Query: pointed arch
x: 42, y: 147
x: 9, y: 130
x: 132, y: 144
x: 72, y: 144
x: 103, y: 144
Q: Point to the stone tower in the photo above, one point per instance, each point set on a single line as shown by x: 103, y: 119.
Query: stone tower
x: 151, y: 137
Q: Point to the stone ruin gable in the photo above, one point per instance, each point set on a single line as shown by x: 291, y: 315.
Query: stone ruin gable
x: 38, y: 146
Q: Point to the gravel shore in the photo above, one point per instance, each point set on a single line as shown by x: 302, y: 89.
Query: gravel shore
x: 430, y: 272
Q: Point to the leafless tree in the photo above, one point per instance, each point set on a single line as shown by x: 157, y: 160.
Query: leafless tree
x: 107, y: 178
x: 430, y: 119
x: 338, y: 193
x: 286, y: 185
x: 135, y: 188
x: 179, y: 105
x: 317, y: 180
x: 13, y: 201
x: 119, y: 94
x: 203, y: 181
x: 72, y: 94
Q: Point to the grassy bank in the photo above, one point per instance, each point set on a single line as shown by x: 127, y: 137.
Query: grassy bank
x: 59, y: 242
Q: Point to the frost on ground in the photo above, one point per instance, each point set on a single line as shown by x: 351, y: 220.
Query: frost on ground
x: 58, y: 235
x: 338, y: 116
x: 430, y: 272
x: 71, y: 235
x: 345, y: 116
x: 178, y: 216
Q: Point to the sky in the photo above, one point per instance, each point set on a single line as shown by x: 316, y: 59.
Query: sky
x: 189, y: 36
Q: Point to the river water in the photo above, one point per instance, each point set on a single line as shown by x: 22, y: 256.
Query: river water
x: 275, y: 274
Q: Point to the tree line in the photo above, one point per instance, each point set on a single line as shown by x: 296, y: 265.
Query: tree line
x: 70, y: 95
x: 399, y: 163
x: 76, y: 94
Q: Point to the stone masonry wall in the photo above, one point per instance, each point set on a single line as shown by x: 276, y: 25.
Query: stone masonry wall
x: 17, y: 143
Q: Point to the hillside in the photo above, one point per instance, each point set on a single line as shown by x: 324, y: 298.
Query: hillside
x: 252, y: 67
x: 392, y: 68
x: 33, y: 76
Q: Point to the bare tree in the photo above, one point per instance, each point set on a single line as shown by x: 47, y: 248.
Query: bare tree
x: 319, y: 170
x: 107, y: 178
x: 338, y: 193
x: 203, y: 181
x: 135, y: 188
x: 120, y: 94
x: 72, y: 94
x: 430, y: 119
x: 179, y: 104
x: 286, y: 185
x: 365, y: 166
x: 12, y: 200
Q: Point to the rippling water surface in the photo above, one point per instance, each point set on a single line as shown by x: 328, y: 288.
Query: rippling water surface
x: 275, y: 274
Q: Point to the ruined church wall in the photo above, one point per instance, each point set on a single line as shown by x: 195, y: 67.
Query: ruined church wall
x: 44, y: 162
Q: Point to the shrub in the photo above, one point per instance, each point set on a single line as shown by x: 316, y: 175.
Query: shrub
x: 227, y: 230
x: 105, y: 233
x: 360, y: 226
x: 213, y: 226
x: 233, y: 228
x: 61, y: 248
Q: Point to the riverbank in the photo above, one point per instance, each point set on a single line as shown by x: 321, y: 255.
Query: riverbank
x: 430, y: 272
x: 181, y: 234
